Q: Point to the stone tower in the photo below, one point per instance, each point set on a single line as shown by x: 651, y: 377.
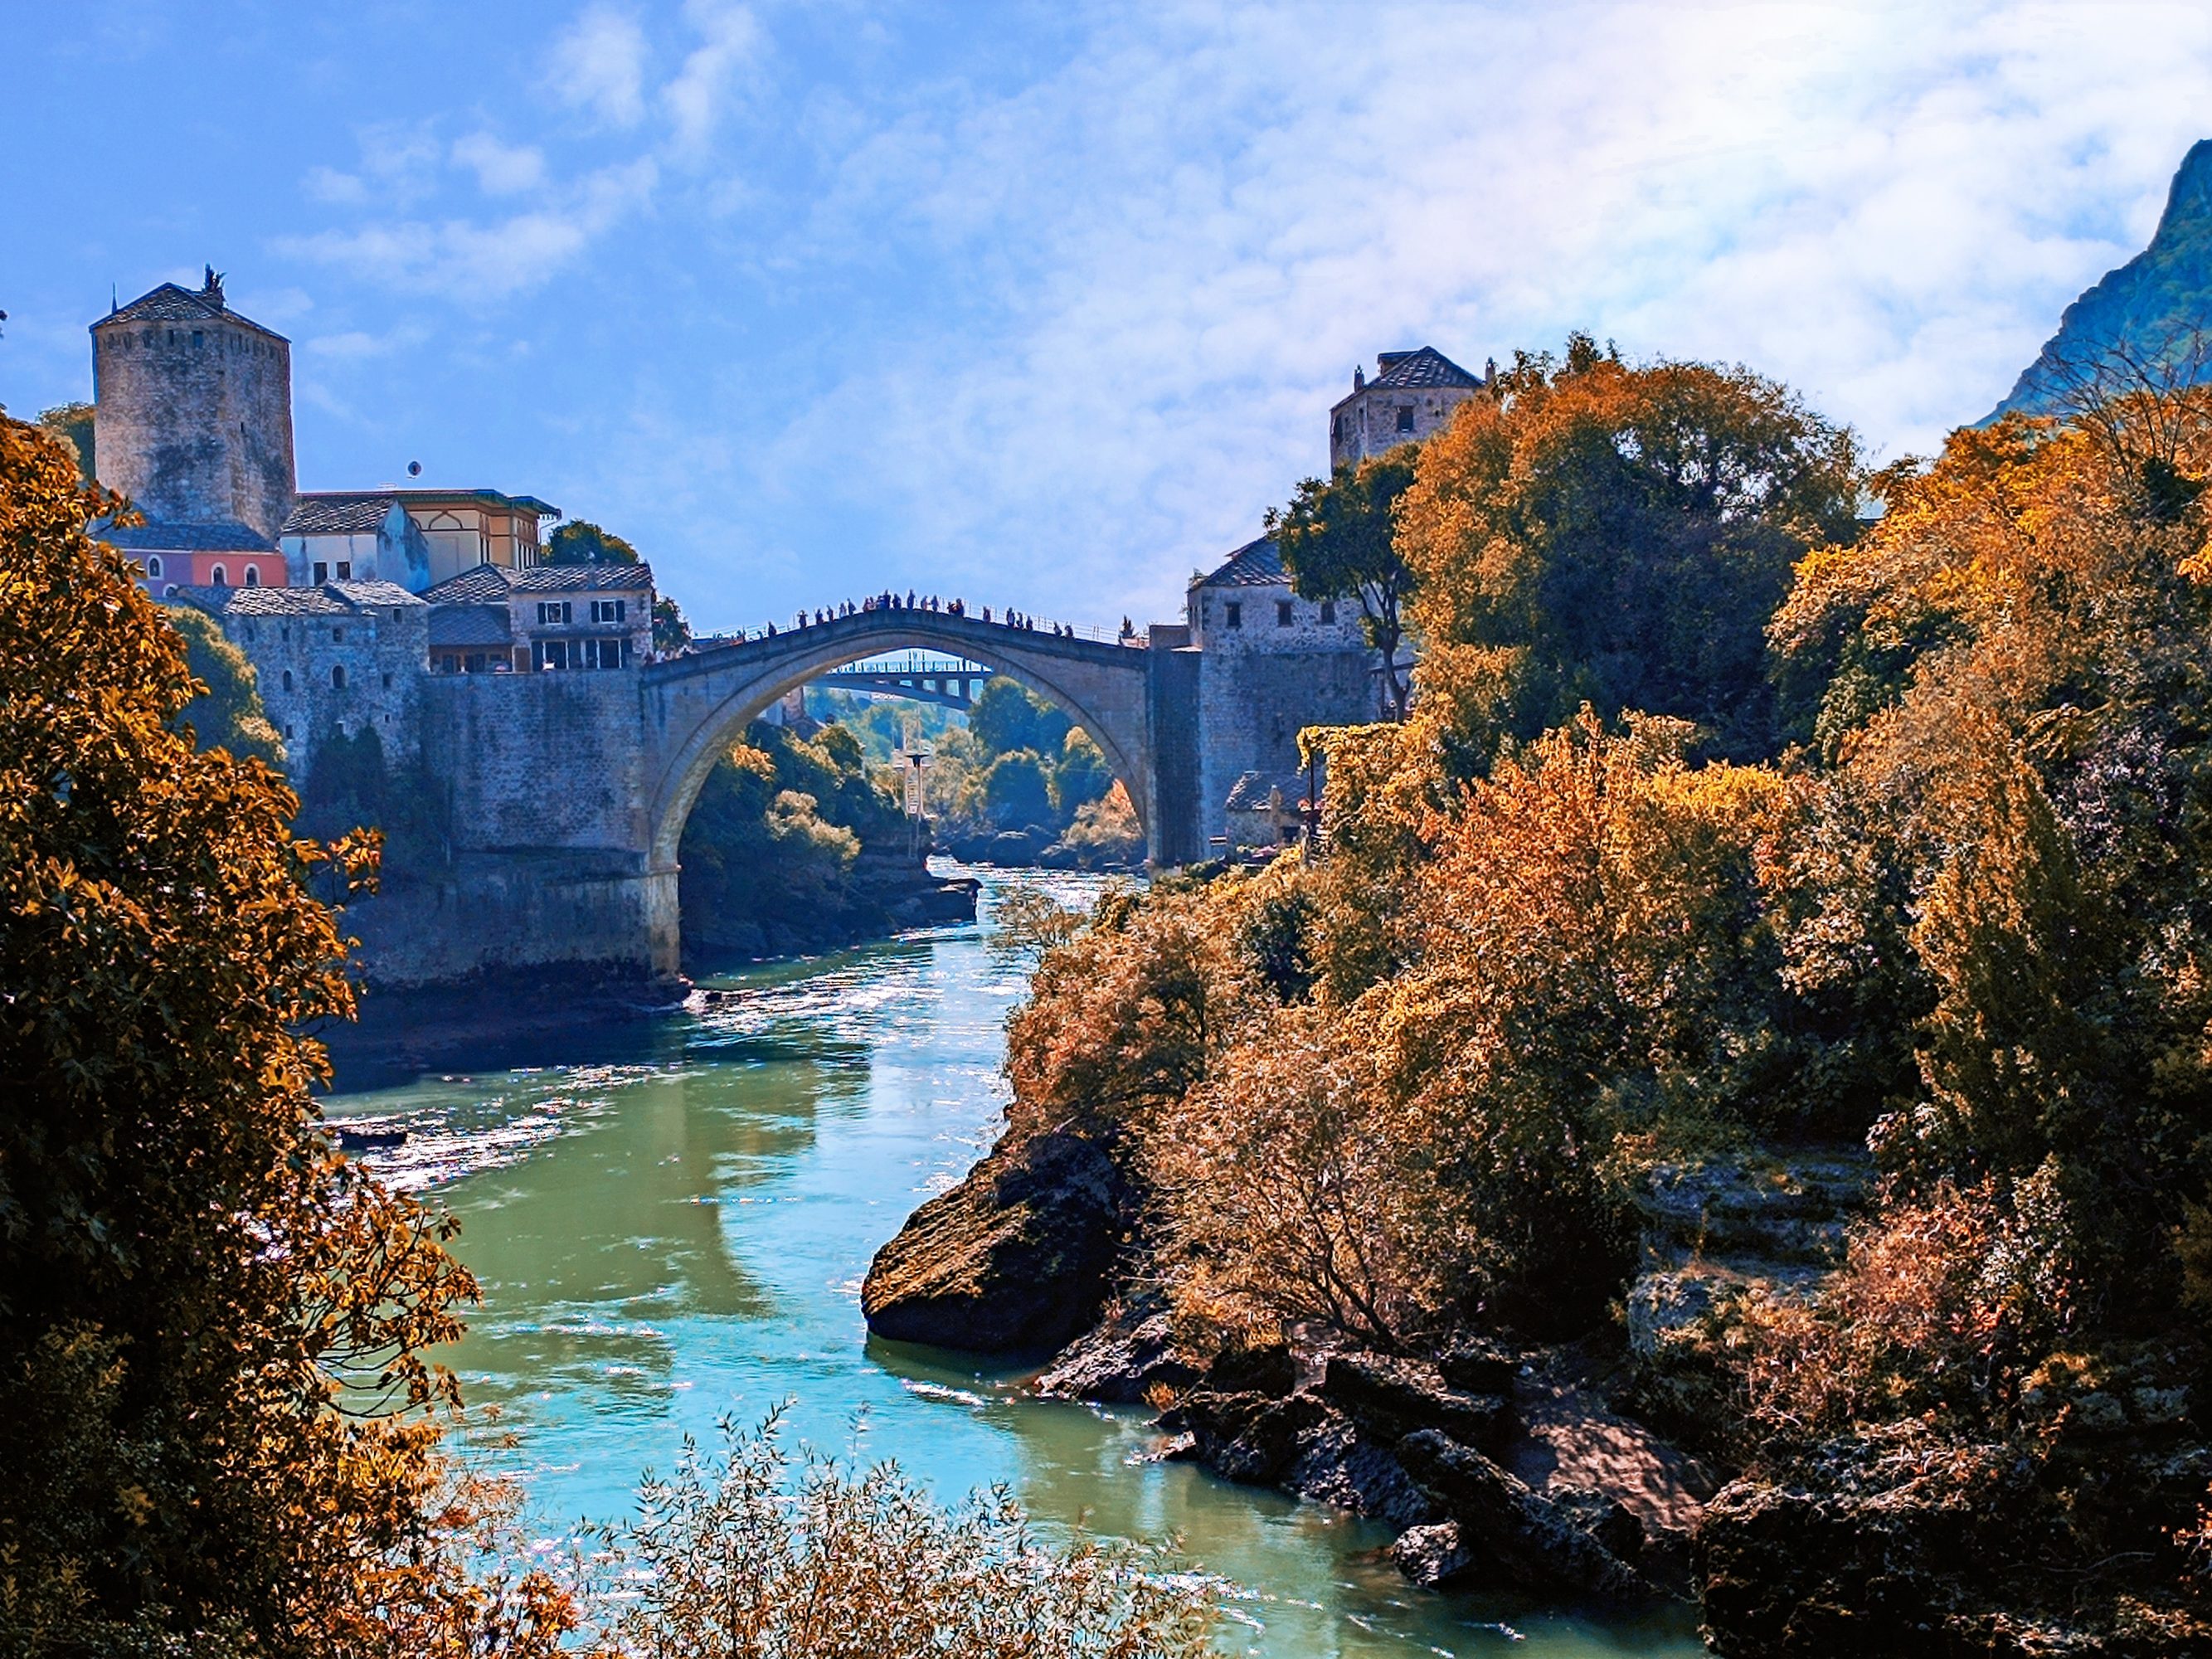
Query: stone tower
x: 193, y: 409
x: 1412, y: 395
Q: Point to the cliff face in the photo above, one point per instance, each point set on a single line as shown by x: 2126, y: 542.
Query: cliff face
x: 2151, y: 308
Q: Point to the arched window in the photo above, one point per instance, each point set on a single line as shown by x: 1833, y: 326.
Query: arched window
x: 287, y: 679
x: 338, y: 677
x: 219, y: 576
x: 153, y: 564
x: 253, y: 575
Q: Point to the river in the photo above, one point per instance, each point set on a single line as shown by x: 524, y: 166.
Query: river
x: 671, y: 1221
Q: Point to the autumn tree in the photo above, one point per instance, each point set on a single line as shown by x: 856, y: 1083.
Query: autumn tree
x: 2017, y: 697
x: 1617, y: 535
x: 208, y: 1320
x: 1337, y: 540
x: 1124, y: 1019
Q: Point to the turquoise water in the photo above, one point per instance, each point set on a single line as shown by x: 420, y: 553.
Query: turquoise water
x: 671, y: 1222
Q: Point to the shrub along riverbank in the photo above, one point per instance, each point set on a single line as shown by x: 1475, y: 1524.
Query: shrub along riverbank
x: 1730, y: 1114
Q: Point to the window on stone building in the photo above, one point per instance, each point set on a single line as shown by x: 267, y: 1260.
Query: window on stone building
x: 345, y: 570
x: 1283, y: 613
x: 288, y: 728
x: 1329, y: 613
x: 608, y: 611
x: 387, y: 682
x: 287, y: 679
x: 338, y: 635
x: 338, y: 677
x: 1232, y: 615
x: 554, y: 610
x: 1404, y: 417
x: 153, y: 564
x: 322, y: 573
x: 253, y: 575
x: 219, y: 576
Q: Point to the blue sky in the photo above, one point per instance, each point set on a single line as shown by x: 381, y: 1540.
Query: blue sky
x: 1044, y: 303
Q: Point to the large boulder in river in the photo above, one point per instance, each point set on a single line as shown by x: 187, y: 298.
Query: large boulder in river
x: 1018, y: 1256
x: 1538, y: 1543
x: 1119, y: 1362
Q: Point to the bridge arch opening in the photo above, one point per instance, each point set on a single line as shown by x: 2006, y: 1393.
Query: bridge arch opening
x: 1101, y: 687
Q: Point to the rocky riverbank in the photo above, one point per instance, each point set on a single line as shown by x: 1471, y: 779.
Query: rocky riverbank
x: 886, y: 892
x: 1598, y: 1471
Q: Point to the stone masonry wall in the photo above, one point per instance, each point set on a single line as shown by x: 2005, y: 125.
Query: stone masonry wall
x: 549, y: 858
x: 298, y: 660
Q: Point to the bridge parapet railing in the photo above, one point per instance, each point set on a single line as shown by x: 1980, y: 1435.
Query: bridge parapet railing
x: 1027, y: 624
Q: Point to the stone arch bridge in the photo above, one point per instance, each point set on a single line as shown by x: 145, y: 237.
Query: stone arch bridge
x: 695, y: 705
x: 568, y: 791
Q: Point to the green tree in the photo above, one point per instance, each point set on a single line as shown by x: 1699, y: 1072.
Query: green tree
x: 1017, y: 793
x: 1006, y: 717
x: 226, y: 714
x: 671, y: 631
x: 191, y: 1281
x: 72, y: 424
x: 581, y: 542
x: 1337, y: 541
x: 1082, y: 775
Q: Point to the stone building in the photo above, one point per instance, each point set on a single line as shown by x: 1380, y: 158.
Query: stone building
x: 554, y: 617
x: 1269, y: 663
x: 331, y: 660
x: 415, y: 537
x: 1412, y: 396
x: 193, y: 408
x: 339, y: 537
x: 171, y: 555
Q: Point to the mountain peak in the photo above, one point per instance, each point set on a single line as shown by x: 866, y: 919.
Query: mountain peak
x: 2153, y: 307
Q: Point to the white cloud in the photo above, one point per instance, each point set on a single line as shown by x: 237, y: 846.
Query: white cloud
x: 501, y: 169
x: 598, y: 64
x: 694, y: 99
x: 481, y: 261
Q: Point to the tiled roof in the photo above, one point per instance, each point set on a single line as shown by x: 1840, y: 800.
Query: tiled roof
x: 1255, y: 564
x: 264, y: 601
x: 469, y: 624
x: 487, y: 582
x: 583, y: 578
x: 373, y: 592
x: 474, y: 585
x: 1251, y: 790
x: 331, y: 512
x: 171, y: 304
x: 162, y: 538
x: 1405, y: 371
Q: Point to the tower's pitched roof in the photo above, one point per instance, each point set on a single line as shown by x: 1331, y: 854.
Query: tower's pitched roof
x: 1255, y: 564
x: 171, y: 304
x: 1408, y: 371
